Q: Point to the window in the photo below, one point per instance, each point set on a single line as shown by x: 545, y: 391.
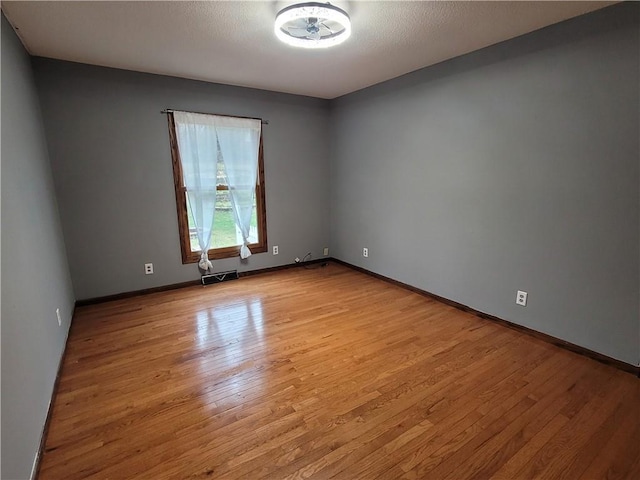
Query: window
x: 215, y: 199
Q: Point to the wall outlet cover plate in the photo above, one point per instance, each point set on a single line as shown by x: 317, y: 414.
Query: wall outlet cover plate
x: 521, y: 298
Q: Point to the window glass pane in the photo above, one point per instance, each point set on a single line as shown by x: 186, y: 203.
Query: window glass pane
x: 193, y: 236
x: 220, y: 177
x: 253, y: 231
x: 224, y: 225
x: 225, y: 233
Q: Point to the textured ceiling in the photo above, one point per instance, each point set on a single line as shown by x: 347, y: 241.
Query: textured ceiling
x: 233, y: 42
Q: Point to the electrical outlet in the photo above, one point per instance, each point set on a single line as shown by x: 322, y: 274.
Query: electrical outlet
x: 148, y: 268
x: 59, y: 318
x: 365, y: 252
x: 521, y: 298
x: 275, y: 249
x: 325, y: 252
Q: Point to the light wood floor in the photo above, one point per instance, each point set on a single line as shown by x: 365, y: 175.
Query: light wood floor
x: 328, y: 373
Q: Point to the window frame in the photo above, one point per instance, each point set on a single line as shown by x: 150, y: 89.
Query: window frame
x: 181, y: 207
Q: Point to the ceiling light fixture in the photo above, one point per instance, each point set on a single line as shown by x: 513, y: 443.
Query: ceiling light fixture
x: 312, y: 25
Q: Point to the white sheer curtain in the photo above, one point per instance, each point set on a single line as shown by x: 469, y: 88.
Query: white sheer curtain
x: 238, y: 142
x: 199, y: 154
x: 203, y: 141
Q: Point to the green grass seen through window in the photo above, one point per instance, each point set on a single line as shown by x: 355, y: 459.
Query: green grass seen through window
x: 224, y: 229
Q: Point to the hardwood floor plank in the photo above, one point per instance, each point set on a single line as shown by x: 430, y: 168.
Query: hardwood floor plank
x: 327, y: 373
x: 611, y: 459
x: 509, y: 469
x: 600, y: 437
x: 558, y: 453
x: 469, y: 429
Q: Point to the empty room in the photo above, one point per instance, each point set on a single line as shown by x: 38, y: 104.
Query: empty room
x: 353, y: 240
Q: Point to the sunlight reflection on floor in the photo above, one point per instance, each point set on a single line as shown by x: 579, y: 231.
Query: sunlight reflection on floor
x: 224, y: 330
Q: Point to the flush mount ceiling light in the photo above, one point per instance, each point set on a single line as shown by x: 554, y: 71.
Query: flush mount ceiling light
x: 312, y: 25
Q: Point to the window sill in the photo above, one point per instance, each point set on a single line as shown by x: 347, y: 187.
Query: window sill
x: 221, y: 253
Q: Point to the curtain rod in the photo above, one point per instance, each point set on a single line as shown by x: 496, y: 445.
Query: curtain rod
x: 171, y: 110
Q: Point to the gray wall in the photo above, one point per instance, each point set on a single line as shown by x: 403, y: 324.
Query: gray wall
x: 109, y: 150
x: 515, y: 167
x: 35, y: 276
